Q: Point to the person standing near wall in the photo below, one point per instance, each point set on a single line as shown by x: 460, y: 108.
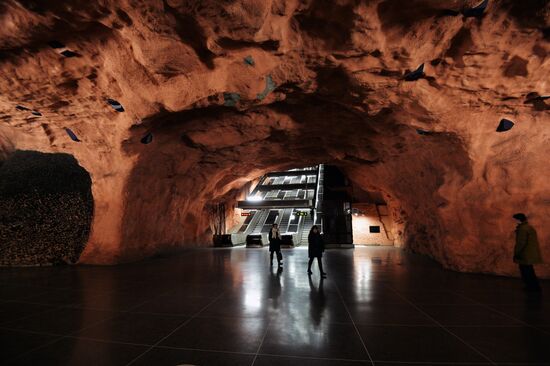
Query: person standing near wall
x: 527, y: 252
x: 315, y: 249
x: 275, y: 244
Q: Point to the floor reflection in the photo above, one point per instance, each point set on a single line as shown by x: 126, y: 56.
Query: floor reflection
x: 275, y: 287
x: 229, y: 307
x: 316, y: 301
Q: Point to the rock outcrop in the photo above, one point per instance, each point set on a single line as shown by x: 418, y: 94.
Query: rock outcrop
x: 215, y: 93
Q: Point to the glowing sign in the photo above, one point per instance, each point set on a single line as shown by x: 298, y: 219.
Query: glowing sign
x: 245, y: 214
x: 301, y: 213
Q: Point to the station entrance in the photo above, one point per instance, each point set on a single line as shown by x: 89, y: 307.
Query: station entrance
x: 321, y: 195
x: 292, y: 199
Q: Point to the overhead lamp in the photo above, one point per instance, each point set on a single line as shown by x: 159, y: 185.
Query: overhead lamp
x: 254, y: 198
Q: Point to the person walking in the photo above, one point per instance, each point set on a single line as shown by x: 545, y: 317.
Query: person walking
x: 316, y: 247
x: 275, y: 244
x: 527, y: 252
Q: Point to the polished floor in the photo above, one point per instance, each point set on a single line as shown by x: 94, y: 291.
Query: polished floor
x: 228, y: 307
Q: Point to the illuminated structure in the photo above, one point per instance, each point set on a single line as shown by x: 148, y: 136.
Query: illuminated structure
x: 292, y: 199
x: 297, y: 199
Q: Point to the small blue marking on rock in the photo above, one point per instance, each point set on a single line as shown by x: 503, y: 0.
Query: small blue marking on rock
x: 269, y: 87
x: 72, y: 135
x: 505, y: 125
x: 231, y: 99
x: 249, y: 60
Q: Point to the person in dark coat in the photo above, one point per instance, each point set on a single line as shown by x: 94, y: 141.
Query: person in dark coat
x: 316, y: 247
x: 527, y: 252
x: 275, y: 244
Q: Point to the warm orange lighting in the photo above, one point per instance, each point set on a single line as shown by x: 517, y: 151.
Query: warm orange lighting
x: 362, y: 221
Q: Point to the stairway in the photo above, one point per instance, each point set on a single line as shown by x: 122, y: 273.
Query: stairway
x: 306, y: 227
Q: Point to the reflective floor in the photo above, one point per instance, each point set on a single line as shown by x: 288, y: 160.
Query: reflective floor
x: 228, y: 307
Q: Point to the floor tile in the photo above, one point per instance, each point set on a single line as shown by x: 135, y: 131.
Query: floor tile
x: 468, y: 315
x: 134, y: 328
x: 508, y: 344
x: 80, y: 352
x: 415, y: 344
x: 390, y: 314
x: 506, y: 297
x: 61, y: 321
x: 18, y: 293
x: 219, y: 334
x: 438, y: 364
x: 265, y: 360
x: 172, y: 357
x: 196, y: 290
x: 58, y: 297
x: 301, y: 338
x: 379, y: 295
x: 12, y: 310
x: 532, y: 314
x: 436, y: 297
x: 15, y: 343
x: 174, y: 304
x: 115, y: 301
x: 248, y: 305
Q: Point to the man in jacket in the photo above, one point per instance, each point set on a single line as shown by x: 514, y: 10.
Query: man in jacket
x: 527, y: 252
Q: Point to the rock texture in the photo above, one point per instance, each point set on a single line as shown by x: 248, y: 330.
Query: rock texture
x: 46, y: 209
x: 223, y: 91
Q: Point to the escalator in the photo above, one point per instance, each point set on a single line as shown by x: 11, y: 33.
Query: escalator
x: 261, y: 219
x: 283, y: 224
x: 286, y: 198
x: 269, y: 221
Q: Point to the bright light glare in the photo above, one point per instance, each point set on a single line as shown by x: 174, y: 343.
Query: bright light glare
x: 254, y: 198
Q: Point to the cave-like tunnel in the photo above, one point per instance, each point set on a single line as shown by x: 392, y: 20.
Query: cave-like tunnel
x: 148, y: 147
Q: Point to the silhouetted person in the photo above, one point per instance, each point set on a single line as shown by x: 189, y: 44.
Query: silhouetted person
x: 527, y: 252
x: 275, y: 244
x: 316, y: 248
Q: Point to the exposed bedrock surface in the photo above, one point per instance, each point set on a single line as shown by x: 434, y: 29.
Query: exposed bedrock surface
x: 224, y: 91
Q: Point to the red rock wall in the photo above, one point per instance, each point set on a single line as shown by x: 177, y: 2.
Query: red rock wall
x: 366, y: 215
x: 231, y: 90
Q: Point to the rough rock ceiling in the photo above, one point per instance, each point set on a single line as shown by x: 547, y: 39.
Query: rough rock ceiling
x: 222, y: 91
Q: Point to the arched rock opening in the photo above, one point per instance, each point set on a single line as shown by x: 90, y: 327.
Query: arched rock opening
x: 207, y: 156
x: 46, y: 209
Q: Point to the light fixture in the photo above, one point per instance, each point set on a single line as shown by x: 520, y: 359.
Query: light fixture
x: 254, y: 198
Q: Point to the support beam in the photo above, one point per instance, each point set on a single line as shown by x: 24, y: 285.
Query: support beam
x: 292, y: 174
x: 285, y: 187
x: 249, y: 205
